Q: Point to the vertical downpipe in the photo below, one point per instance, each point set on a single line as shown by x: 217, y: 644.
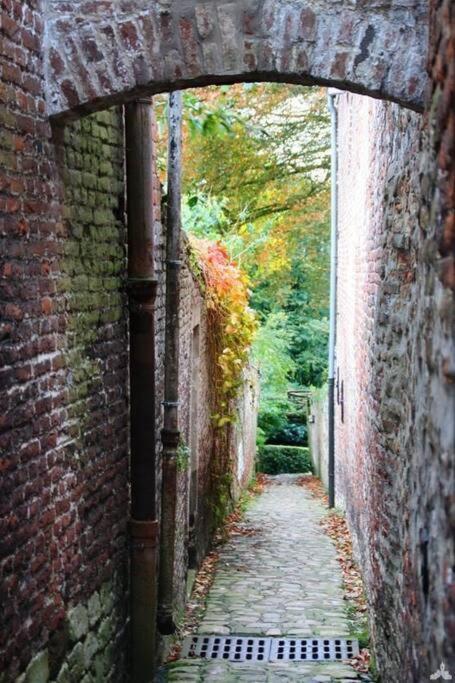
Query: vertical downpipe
x: 333, y: 293
x: 141, y: 290
x: 170, y: 434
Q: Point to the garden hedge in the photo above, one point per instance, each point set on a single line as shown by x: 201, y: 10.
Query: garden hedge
x: 284, y: 459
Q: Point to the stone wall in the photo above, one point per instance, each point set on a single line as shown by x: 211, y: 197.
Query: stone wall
x: 395, y: 429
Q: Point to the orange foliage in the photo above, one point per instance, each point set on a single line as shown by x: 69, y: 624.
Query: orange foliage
x: 231, y: 322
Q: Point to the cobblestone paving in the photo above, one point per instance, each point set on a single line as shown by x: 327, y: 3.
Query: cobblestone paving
x: 283, y: 580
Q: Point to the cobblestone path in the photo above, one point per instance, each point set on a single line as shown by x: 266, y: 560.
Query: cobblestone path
x: 282, y: 580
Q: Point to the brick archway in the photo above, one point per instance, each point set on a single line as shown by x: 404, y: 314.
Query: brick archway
x: 100, y: 52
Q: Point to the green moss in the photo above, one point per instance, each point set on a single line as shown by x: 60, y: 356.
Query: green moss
x: 222, y: 503
x: 183, y: 456
x: 93, y: 255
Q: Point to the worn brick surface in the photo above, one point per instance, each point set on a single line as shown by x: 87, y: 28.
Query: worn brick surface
x: 395, y: 446
x: 63, y: 413
x: 199, y: 434
x: 377, y: 48
x: 63, y: 358
x: 63, y: 456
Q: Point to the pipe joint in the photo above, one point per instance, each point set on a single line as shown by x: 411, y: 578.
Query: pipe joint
x: 174, y: 263
x: 170, y: 438
x: 144, y: 534
x: 142, y: 290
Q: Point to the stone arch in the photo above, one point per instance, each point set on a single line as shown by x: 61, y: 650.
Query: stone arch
x: 101, y: 52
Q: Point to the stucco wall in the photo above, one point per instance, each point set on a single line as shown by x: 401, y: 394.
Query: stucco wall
x: 318, y: 434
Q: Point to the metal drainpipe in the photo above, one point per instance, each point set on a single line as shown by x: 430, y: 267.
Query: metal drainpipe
x: 170, y: 434
x: 332, y: 93
x: 141, y: 290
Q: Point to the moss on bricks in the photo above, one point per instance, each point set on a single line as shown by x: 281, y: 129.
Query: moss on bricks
x: 38, y: 669
x: 77, y: 622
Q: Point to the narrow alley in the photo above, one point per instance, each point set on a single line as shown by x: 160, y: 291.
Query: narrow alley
x: 227, y: 253
x: 281, y: 580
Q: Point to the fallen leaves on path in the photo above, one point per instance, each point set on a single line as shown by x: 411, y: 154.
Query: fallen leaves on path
x: 233, y: 525
x: 206, y: 574
x: 335, y: 526
x: 314, y: 486
x: 259, y: 484
x: 195, y: 606
x: 362, y: 662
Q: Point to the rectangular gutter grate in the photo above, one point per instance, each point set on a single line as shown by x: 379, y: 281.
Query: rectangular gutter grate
x: 313, y: 649
x: 231, y: 648
x: 257, y: 649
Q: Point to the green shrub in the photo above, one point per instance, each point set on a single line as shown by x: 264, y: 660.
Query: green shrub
x: 284, y: 459
x: 292, y: 434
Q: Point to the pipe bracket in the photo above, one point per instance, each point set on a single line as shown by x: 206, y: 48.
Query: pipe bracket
x: 170, y: 438
x: 142, y: 289
x: 144, y: 534
x: 174, y: 263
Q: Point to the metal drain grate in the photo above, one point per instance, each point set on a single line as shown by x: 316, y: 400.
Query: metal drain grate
x: 312, y: 649
x: 231, y: 648
x: 257, y: 649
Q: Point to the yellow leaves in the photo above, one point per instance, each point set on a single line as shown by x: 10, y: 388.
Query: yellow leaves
x: 224, y: 421
x: 232, y: 322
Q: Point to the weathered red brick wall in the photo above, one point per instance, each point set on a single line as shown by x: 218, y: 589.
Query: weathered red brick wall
x: 64, y: 381
x: 194, y: 416
x: 441, y: 106
x: 63, y: 345
x: 394, y: 446
x: 438, y: 187
x: 98, y: 53
x: 63, y: 424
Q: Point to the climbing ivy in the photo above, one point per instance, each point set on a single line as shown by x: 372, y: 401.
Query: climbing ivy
x: 231, y: 323
x: 182, y: 456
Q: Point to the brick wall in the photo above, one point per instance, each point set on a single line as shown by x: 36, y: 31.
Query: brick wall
x: 63, y: 362
x: 393, y: 448
x: 63, y: 425
x: 64, y: 381
x: 99, y: 53
x: 438, y: 188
